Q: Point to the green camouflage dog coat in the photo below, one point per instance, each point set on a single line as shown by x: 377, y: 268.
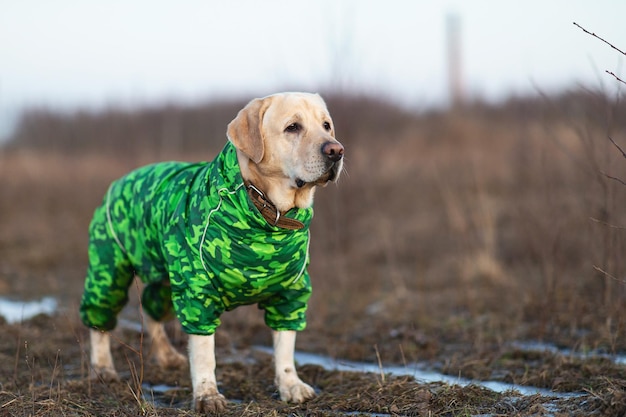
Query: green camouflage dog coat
x: 192, y: 235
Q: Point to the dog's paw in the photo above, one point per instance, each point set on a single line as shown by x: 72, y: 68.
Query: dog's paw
x: 213, y: 403
x: 296, y: 392
x: 105, y: 374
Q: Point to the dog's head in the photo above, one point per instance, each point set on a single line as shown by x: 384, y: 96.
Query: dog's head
x: 287, y: 146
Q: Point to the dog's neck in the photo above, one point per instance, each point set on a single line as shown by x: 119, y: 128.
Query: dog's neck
x: 278, y: 190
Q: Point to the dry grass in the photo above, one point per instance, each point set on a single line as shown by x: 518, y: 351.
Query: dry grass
x: 49, y: 383
x: 449, y: 234
x: 486, y: 211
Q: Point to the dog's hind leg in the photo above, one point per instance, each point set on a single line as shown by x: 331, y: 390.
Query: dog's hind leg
x: 166, y: 355
x: 101, y: 360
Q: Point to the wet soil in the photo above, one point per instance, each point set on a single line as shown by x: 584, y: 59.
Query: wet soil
x: 44, y: 372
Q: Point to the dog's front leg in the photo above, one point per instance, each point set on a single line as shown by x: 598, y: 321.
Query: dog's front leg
x: 206, y: 397
x: 290, y: 386
x: 101, y: 359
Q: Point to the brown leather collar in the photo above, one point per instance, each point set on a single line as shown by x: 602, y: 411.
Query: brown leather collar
x: 269, y: 210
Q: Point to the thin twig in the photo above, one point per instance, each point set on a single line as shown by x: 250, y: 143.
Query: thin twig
x: 608, y: 43
x: 618, y: 147
x: 623, y: 154
x: 606, y: 274
x: 602, y: 222
x: 613, y: 178
x: 596, y: 36
x: 616, y: 77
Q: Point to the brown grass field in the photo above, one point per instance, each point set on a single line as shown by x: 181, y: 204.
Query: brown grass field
x: 451, y: 238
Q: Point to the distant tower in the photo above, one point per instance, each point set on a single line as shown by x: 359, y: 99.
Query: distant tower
x: 455, y: 70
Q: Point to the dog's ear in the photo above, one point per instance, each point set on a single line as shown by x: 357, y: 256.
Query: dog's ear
x: 245, y: 130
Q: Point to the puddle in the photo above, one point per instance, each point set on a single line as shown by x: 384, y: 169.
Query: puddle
x: 161, y: 395
x: 130, y: 325
x: 15, y: 311
x: 419, y: 372
x: 547, y: 347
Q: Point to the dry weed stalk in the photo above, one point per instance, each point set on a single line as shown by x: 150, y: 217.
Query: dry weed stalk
x: 480, y: 218
x: 590, y: 160
x: 606, y: 274
x: 380, y: 365
x: 608, y: 288
x: 137, y: 375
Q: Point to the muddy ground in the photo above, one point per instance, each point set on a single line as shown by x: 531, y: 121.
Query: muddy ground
x: 45, y: 373
x: 452, y: 243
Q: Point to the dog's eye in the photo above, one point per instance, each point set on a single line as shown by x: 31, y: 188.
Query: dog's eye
x: 293, y: 128
x: 327, y: 126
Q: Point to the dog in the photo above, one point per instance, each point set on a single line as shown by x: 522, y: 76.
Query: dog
x: 207, y: 237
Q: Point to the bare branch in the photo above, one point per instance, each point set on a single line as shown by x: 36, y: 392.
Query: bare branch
x: 596, y: 36
x: 624, y: 155
x: 617, y: 146
x: 608, y: 43
x: 613, y: 178
x: 616, y: 77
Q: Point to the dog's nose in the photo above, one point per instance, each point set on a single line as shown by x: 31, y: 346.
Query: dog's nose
x: 333, y: 151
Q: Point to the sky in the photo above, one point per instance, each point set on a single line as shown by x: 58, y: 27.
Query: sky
x: 69, y: 54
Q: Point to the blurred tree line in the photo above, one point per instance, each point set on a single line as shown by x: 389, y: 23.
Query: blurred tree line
x: 196, y: 128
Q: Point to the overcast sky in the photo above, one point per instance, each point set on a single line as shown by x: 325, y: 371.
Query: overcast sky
x: 75, y: 53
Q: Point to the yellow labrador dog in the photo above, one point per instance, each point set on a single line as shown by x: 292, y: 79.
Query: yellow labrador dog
x: 208, y: 237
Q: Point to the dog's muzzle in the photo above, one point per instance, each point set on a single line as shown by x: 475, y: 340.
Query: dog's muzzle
x: 333, y: 154
x: 333, y: 151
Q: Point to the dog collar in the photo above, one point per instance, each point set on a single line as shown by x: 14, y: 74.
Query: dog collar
x: 269, y: 211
